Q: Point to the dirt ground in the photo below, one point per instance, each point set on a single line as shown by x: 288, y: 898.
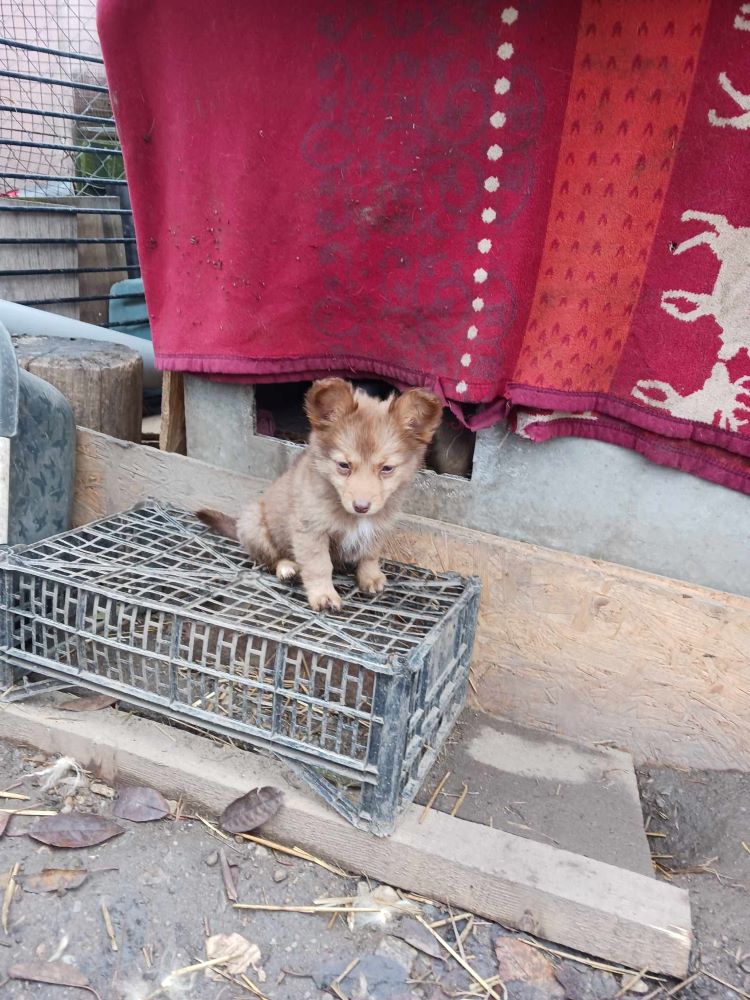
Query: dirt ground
x: 162, y: 887
x: 706, y: 818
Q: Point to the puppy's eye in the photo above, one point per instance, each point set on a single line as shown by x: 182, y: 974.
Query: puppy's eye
x: 344, y: 468
x: 386, y: 470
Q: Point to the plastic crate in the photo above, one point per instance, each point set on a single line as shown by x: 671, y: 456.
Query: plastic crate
x: 149, y: 605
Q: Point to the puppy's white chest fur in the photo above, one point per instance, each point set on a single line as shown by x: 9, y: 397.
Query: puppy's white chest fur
x: 354, y: 542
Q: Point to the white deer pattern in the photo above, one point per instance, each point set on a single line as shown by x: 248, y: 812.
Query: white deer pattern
x: 740, y: 121
x: 719, y: 398
x: 728, y: 302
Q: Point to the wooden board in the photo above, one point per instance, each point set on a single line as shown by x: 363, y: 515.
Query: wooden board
x: 97, y: 255
x: 102, y: 382
x: 172, y: 436
x: 585, y: 649
x: 31, y: 226
x: 594, y: 907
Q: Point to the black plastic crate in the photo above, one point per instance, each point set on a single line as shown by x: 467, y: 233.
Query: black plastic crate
x: 149, y: 605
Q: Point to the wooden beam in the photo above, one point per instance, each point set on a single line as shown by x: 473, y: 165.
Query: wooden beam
x: 28, y: 227
x: 172, y: 436
x: 594, y: 907
x: 586, y: 649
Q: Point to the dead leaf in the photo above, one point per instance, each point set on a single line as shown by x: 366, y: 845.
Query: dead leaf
x: 10, y: 888
x: 630, y: 984
x: 4, y: 820
x: 252, y: 810
x: 52, y: 973
x: 54, y: 879
x: 519, y: 962
x: 104, y: 791
x: 376, y: 905
x: 418, y: 938
x: 228, y: 876
x: 586, y: 984
x: 92, y: 703
x: 140, y: 804
x: 74, y: 830
x: 243, y: 954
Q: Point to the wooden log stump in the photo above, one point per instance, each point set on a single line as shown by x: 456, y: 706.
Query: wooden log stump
x: 102, y: 382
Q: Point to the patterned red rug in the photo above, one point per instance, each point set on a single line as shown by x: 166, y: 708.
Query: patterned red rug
x: 538, y: 210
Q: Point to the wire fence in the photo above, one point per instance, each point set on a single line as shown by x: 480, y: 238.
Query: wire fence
x: 66, y: 231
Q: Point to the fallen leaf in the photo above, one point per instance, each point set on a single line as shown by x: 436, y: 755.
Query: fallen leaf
x: 10, y: 888
x: 74, y: 830
x: 140, y: 804
x: 627, y: 983
x: 252, y: 810
x: 586, y: 984
x: 4, y: 820
x: 92, y: 703
x: 52, y: 973
x: 243, y: 954
x: 54, y: 879
x: 519, y: 962
x: 99, y: 788
x: 377, y: 906
x: 229, y: 882
x: 418, y: 938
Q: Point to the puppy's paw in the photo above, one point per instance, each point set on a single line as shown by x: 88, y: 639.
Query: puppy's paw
x: 322, y: 598
x: 286, y: 569
x: 371, y: 581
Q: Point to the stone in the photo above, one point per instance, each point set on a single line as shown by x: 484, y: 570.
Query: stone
x: 518, y: 962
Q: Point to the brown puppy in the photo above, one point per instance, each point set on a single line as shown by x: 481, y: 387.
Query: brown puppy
x: 341, y: 496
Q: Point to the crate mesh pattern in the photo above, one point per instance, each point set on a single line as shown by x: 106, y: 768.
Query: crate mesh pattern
x: 151, y: 606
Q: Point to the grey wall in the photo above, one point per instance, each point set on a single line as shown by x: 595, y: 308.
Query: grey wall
x: 581, y: 496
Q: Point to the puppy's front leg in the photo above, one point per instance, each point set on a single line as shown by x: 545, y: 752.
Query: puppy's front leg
x: 313, y: 556
x: 370, y: 578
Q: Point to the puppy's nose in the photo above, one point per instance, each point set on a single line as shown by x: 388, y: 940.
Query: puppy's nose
x: 361, y: 506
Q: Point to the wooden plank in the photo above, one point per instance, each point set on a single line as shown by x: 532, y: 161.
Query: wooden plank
x: 172, y: 436
x: 29, y: 255
x: 585, y: 649
x: 97, y: 255
x: 597, y: 908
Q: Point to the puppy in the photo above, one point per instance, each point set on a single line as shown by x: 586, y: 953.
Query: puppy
x: 340, y: 498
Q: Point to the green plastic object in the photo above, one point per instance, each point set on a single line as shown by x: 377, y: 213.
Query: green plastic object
x: 127, y: 308
x: 128, y: 314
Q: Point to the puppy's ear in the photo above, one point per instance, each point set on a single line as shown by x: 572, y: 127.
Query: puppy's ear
x: 419, y: 413
x: 327, y: 401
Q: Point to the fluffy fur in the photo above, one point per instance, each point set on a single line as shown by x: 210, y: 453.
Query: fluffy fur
x: 337, y: 502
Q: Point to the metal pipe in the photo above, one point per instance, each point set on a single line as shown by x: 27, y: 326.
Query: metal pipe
x: 79, y: 298
x: 86, y: 181
x: 24, y: 205
x: 52, y: 241
x: 13, y: 44
x: 46, y: 113
x: 22, y: 321
x: 10, y: 74
x: 20, y: 272
x: 61, y: 147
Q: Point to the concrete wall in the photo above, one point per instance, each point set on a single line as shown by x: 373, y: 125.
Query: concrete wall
x: 580, y: 496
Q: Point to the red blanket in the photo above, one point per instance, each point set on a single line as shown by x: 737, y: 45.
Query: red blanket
x: 538, y: 210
